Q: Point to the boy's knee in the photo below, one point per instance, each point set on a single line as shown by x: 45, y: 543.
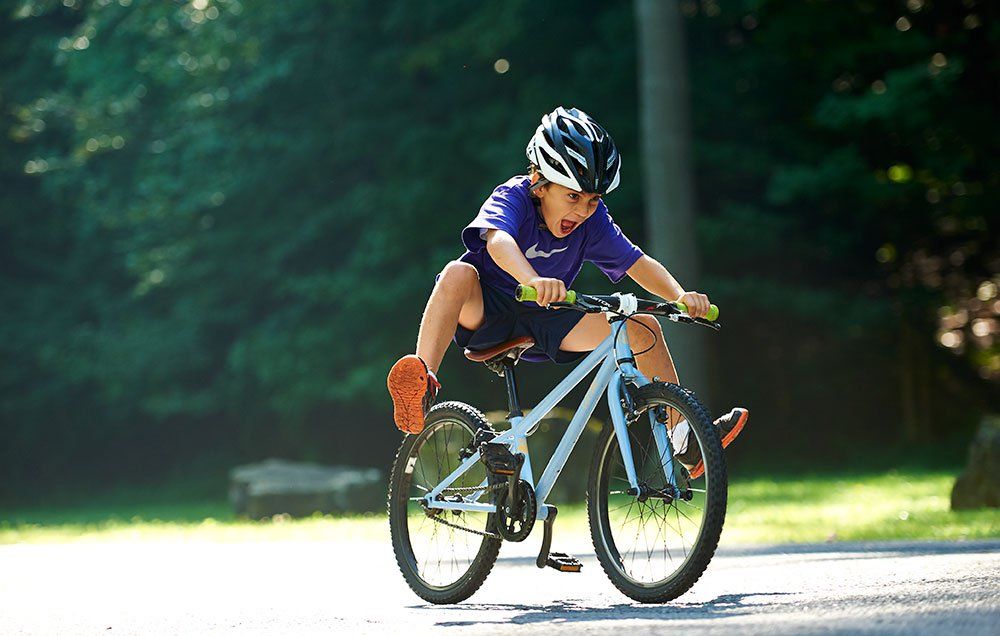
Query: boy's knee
x: 645, y: 335
x: 457, y: 275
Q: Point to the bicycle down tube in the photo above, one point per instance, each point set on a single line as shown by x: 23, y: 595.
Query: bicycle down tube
x: 613, y: 356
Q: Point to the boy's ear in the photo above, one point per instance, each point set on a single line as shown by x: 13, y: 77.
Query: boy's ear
x: 537, y: 189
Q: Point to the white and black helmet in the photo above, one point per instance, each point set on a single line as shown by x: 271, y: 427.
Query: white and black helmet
x: 573, y: 150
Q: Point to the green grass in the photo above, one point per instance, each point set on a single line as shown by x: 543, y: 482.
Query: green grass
x: 886, y: 506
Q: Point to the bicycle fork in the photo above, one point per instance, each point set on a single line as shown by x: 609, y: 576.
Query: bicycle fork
x: 627, y: 372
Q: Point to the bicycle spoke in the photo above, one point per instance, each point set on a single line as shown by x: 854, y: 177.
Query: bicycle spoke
x: 443, y: 553
x: 652, y: 541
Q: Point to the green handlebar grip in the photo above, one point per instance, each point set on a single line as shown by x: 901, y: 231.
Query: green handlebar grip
x: 530, y: 293
x: 713, y: 311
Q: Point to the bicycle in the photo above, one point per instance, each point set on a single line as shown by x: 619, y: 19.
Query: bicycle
x: 459, y: 488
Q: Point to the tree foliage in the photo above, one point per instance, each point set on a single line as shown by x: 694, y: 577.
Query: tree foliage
x: 219, y: 220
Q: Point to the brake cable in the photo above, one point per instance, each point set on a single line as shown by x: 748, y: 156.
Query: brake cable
x: 625, y: 317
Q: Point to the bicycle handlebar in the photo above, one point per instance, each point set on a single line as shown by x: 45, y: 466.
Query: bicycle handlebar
x: 524, y: 292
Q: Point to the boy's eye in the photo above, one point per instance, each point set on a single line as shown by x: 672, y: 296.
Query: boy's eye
x: 573, y: 196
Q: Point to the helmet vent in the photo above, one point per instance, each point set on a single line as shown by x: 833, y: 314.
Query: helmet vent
x: 555, y: 165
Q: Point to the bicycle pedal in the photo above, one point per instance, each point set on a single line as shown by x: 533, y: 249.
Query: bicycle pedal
x: 564, y: 562
x: 498, y: 459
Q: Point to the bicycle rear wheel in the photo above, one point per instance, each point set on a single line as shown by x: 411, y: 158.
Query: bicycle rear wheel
x: 654, y: 547
x: 440, y: 562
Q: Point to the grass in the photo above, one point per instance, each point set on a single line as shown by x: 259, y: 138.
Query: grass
x: 887, y: 506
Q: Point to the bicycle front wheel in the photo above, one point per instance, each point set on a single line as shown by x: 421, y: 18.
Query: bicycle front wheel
x: 444, y: 555
x: 655, y: 544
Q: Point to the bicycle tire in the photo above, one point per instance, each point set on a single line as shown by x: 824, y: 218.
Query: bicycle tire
x: 407, y: 468
x: 711, y: 501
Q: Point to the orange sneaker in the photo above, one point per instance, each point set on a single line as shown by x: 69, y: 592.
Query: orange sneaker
x: 413, y: 389
x: 729, y: 425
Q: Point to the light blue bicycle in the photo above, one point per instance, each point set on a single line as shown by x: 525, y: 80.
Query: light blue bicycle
x: 460, y: 488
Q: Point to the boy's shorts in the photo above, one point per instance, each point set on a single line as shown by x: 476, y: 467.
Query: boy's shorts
x: 506, y: 318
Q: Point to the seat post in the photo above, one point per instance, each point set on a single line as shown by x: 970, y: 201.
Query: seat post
x: 513, y: 402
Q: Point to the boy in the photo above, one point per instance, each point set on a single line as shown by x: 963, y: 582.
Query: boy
x: 538, y: 230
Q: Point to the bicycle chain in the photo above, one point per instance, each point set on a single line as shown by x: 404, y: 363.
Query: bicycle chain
x: 482, y: 533
x: 458, y: 489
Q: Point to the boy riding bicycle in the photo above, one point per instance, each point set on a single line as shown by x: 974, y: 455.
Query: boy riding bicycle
x: 537, y: 230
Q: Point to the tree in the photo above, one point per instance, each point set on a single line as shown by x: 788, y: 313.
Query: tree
x: 666, y: 167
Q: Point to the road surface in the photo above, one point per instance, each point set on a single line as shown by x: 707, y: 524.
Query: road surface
x: 341, y: 587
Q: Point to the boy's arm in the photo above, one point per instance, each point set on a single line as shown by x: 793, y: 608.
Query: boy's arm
x: 504, y: 250
x: 654, y: 278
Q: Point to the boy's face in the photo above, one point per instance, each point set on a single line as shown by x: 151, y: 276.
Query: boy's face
x: 564, y: 209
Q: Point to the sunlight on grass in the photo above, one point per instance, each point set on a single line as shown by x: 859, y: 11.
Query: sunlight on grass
x: 223, y: 529
x: 882, y: 507
x: 904, y: 505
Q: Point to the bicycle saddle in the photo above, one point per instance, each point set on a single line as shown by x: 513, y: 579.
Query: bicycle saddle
x: 516, y: 345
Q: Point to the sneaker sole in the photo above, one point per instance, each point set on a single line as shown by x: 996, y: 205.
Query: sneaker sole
x: 740, y: 423
x: 407, y: 384
x: 699, y: 468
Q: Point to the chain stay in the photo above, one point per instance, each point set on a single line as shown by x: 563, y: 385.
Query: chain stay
x: 459, y: 489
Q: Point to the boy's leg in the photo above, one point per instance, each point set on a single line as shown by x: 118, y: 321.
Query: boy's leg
x: 457, y: 299
x: 656, y: 362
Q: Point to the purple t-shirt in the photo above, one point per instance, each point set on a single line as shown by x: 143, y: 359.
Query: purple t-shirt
x: 511, y: 208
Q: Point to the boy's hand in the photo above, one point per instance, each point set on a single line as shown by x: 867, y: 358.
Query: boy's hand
x: 550, y: 290
x: 696, y: 303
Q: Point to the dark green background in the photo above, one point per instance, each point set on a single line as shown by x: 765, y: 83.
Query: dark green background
x: 219, y: 225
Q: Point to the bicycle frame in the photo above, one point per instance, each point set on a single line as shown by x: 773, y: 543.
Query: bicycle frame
x: 615, y: 362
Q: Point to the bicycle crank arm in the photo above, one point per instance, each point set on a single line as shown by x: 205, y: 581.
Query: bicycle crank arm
x: 543, y: 554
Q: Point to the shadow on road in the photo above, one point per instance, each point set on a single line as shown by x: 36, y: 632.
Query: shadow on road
x: 881, y: 583
x: 570, y: 611
x: 848, y: 548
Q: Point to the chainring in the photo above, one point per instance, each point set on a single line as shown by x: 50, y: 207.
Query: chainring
x: 514, y: 523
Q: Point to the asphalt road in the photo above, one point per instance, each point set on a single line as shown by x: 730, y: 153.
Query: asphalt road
x: 339, y: 587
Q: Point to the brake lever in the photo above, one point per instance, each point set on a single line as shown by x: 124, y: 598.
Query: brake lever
x: 711, y: 324
x: 676, y: 315
x: 578, y: 306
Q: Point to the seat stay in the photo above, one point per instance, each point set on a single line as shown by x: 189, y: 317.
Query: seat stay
x: 466, y: 464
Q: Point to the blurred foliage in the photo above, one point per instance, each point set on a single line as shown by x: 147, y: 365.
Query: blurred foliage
x: 219, y: 220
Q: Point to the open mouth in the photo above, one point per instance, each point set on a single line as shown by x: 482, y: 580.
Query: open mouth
x: 567, y: 226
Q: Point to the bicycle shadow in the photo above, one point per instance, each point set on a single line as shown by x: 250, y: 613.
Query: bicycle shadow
x: 569, y: 611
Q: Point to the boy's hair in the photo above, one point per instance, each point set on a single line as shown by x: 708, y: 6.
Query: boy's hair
x: 533, y: 172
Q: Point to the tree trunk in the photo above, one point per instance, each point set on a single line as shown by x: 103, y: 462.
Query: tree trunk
x: 915, y: 384
x: 665, y: 134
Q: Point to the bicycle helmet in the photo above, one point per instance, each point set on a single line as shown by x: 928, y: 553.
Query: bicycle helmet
x: 573, y: 150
